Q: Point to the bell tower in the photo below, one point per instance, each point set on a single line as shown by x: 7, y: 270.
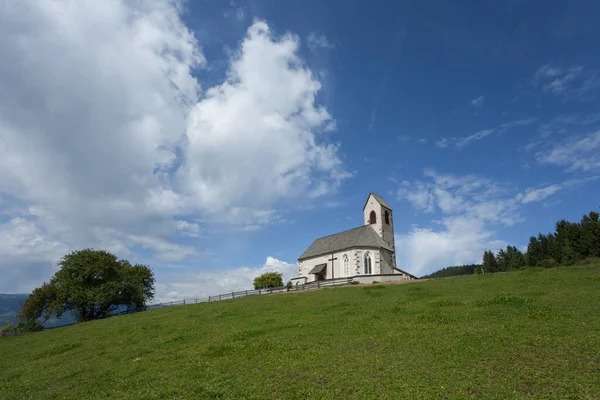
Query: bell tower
x: 378, y: 214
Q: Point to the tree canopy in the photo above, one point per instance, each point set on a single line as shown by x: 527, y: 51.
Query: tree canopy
x: 92, y: 283
x: 268, y: 280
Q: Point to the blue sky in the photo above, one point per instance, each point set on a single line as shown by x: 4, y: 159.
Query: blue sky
x: 214, y: 140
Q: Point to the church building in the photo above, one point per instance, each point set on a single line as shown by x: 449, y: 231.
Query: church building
x: 366, y: 253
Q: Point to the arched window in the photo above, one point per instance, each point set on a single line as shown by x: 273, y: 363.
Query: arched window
x: 372, y: 218
x: 346, y: 265
x: 387, y: 217
x: 368, y: 270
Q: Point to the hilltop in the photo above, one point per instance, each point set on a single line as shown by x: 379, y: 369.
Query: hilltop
x: 526, y: 334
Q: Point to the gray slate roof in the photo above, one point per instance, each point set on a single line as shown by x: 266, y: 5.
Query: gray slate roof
x: 363, y: 236
x: 379, y: 199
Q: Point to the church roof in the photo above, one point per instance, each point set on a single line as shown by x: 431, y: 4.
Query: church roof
x: 379, y: 199
x: 363, y: 236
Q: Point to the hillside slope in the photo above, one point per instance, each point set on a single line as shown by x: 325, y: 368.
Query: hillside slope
x: 527, y: 334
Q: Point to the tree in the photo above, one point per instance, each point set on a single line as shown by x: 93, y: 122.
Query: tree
x: 92, y: 283
x: 590, y: 235
x: 489, y: 262
x: 513, y: 258
x: 534, y: 251
x: 268, y: 280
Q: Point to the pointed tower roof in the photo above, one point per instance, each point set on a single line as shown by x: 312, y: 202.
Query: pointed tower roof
x: 379, y: 199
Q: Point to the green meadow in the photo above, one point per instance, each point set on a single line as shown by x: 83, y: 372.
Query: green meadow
x: 527, y: 334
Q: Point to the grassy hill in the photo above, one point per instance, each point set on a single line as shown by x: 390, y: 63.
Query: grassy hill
x: 527, y: 334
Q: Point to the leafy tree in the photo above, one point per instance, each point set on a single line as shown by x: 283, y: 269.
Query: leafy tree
x: 489, y: 262
x: 268, y: 280
x: 92, y: 283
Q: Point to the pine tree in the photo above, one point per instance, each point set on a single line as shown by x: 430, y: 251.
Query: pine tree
x: 534, y: 252
x: 590, y: 235
x: 489, y: 262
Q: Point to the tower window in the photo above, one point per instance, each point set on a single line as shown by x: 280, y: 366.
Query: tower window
x: 387, y: 217
x: 372, y: 218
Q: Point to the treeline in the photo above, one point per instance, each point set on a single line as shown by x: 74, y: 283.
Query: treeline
x: 570, y: 243
x: 454, y: 271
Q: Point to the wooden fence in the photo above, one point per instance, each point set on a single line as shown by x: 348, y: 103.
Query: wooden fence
x: 253, y: 292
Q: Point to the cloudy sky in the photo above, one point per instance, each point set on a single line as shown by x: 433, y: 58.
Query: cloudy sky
x: 214, y: 140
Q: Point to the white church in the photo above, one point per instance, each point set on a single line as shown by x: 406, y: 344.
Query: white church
x: 366, y: 253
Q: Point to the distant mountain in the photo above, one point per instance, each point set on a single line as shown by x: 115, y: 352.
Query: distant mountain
x: 10, y: 305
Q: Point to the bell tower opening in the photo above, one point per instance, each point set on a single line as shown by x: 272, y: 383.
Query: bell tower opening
x: 372, y: 218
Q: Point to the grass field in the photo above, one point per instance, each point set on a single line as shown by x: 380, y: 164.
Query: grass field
x: 527, y: 334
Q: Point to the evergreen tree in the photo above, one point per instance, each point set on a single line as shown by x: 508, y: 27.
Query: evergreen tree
x: 554, y: 247
x: 489, y: 262
x: 590, y: 235
x: 534, y: 251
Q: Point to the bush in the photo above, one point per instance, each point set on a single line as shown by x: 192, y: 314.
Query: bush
x: 29, y: 326
x: 354, y: 282
x: 588, y: 261
x: 289, y: 285
x: 268, y: 280
x: 21, y: 327
x: 548, y: 263
x: 7, y: 329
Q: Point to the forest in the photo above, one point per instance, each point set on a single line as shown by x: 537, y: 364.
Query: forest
x: 571, y: 243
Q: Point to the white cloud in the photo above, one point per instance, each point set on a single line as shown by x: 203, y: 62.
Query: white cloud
x: 237, y: 12
x: 316, y: 41
x: 471, y: 206
x: 459, y: 241
x: 186, y: 228
x: 191, y: 285
x: 519, y: 122
x: 108, y: 141
x: 532, y: 195
x: 442, y: 143
x: 462, y: 142
x: 577, y: 153
x: 477, y: 102
x: 538, y: 194
x: 573, y: 82
x: 261, y: 121
x: 422, y: 140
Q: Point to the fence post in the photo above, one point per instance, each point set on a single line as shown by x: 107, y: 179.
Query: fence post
x: 171, y: 304
x: 246, y: 293
x: 318, y: 285
x: 184, y: 302
x: 219, y: 297
x: 233, y: 294
x: 196, y: 300
x: 209, y: 299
